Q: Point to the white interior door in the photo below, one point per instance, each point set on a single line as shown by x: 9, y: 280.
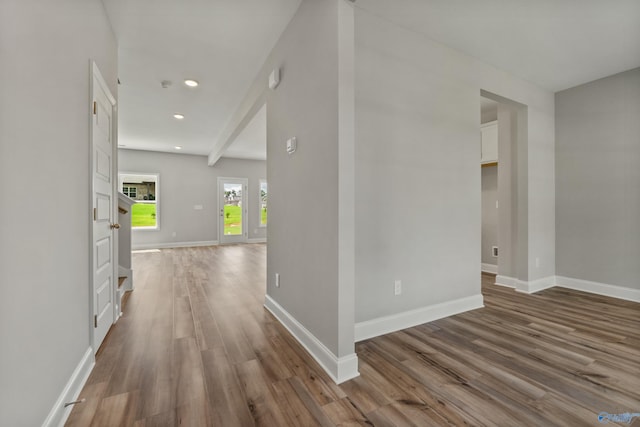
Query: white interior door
x: 102, y: 176
x: 232, y: 210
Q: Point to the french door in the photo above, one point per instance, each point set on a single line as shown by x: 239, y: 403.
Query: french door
x: 232, y: 210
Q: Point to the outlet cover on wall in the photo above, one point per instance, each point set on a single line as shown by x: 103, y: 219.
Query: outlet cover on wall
x: 277, y: 280
x: 494, y: 251
x: 397, y: 288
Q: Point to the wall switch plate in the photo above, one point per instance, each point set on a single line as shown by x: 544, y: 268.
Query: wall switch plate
x: 277, y: 280
x: 173, y: 234
x: 197, y: 207
x: 292, y: 144
x: 397, y: 288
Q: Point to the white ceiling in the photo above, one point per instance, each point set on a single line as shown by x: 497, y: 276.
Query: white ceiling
x: 555, y: 44
x: 220, y: 43
x: 251, y: 143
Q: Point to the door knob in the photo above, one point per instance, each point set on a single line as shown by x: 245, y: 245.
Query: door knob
x: 115, y: 226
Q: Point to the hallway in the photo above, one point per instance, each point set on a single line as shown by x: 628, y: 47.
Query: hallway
x: 195, y: 347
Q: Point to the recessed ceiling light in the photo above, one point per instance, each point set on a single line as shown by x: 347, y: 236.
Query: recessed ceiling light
x: 191, y: 83
x: 178, y: 116
x: 177, y: 147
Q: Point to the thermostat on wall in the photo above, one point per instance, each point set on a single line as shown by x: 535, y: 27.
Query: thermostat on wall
x: 291, y: 145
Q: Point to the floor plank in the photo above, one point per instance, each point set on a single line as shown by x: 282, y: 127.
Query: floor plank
x: 196, y: 347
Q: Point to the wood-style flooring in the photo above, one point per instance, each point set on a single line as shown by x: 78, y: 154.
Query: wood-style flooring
x: 195, y: 347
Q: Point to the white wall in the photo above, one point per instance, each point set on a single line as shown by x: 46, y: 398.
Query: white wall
x: 598, y: 181
x: 186, y: 181
x: 45, y: 48
x: 310, y: 235
x: 417, y: 173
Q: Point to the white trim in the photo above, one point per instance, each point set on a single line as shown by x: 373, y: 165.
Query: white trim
x: 257, y: 240
x: 506, y: 281
x: 169, y: 245
x: 489, y: 268
x: 340, y: 369
x: 59, y: 414
x: 526, y: 287
x: 396, y: 322
x: 613, y: 291
x: 538, y: 285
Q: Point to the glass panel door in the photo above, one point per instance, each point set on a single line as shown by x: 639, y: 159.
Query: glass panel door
x: 233, y: 209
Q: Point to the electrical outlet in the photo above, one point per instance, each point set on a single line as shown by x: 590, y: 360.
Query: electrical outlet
x: 173, y: 234
x: 537, y: 262
x: 277, y: 280
x: 397, y: 289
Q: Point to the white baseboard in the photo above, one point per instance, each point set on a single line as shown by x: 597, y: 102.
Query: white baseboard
x: 538, y: 285
x: 607, y: 290
x: 599, y: 288
x: 395, y: 322
x: 59, y: 414
x: 509, y: 282
x: 169, y: 245
x: 489, y: 268
x: 340, y: 369
x: 527, y: 287
x: 257, y: 240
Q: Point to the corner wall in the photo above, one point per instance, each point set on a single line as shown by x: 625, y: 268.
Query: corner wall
x: 45, y: 52
x: 418, y: 176
x: 598, y: 185
x: 310, y: 243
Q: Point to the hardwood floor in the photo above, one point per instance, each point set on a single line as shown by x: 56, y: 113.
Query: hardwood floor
x: 195, y: 347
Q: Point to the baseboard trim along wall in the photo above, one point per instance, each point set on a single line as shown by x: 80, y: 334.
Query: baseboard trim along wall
x: 489, y: 268
x: 396, y: 322
x: 604, y: 289
x: 340, y: 369
x: 170, y: 245
x: 527, y: 287
x: 59, y: 414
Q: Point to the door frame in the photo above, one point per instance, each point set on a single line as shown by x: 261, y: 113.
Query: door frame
x: 243, y: 238
x: 95, y: 73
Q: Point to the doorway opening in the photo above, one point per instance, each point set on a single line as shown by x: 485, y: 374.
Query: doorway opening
x: 504, y: 191
x: 232, y: 202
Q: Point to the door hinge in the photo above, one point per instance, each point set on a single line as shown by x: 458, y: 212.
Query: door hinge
x: 95, y: 320
x: 95, y: 213
x: 95, y: 108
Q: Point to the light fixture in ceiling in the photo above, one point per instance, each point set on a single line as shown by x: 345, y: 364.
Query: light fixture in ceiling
x: 191, y: 82
x: 177, y: 147
x: 178, y: 116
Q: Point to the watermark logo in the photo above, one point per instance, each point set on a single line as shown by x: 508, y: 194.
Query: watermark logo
x: 627, y: 417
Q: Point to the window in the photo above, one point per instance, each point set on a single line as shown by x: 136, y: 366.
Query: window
x: 129, y: 191
x: 143, y: 188
x: 263, y: 203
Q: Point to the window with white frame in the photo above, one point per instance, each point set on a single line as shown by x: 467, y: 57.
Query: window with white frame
x: 144, y: 189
